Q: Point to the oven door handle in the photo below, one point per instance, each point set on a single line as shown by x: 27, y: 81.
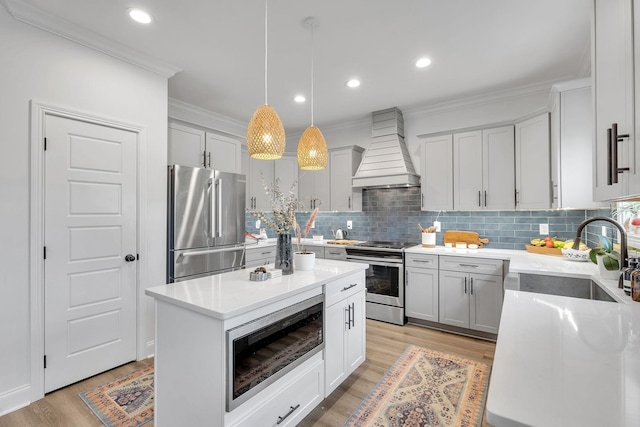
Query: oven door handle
x: 374, y: 261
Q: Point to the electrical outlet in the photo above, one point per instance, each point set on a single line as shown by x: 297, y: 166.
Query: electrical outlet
x: 544, y: 229
x: 436, y: 224
x: 257, y: 223
x: 604, y: 230
x: 349, y: 225
x: 313, y: 224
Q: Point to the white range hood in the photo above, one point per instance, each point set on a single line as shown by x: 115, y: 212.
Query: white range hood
x: 387, y: 162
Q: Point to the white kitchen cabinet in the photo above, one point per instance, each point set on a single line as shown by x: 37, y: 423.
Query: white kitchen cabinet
x: 344, y: 164
x: 571, y: 122
x: 286, y: 168
x: 421, y: 287
x: 335, y: 252
x: 258, y: 255
x: 190, y: 146
x: 533, y: 163
x: 483, y: 168
x: 436, y: 173
x: 345, y: 329
x: 468, y: 297
x: 316, y: 249
x: 313, y: 188
x: 259, y: 173
x: 613, y: 59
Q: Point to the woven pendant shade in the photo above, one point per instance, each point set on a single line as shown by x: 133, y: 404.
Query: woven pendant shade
x: 312, y: 150
x: 265, y: 134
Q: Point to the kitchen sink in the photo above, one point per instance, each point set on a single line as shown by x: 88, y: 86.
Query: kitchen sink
x: 563, y: 286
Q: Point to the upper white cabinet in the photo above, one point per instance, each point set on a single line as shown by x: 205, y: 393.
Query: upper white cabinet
x: 533, y: 175
x: 344, y: 164
x: 483, y: 169
x: 259, y: 173
x: 571, y: 146
x: 286, y: 168
x: 613, y: 63
x: 436, y: 173
x: 190, y: 146
x: 313, y: 189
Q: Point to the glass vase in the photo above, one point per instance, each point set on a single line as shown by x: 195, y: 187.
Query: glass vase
x: 284, y: 254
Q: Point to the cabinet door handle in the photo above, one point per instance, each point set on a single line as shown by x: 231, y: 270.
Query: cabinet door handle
x: 615, y: 138
x: 609, y: 158
x: 292, y: 409
x: 485, y: 198
x: 204, y: 159
x: 465, y: 285
x: 209, y: 159
x: 353, y: 314
x: 349, y: 202
x: 515, y: 197
x: 347, y: 311
x: 471, y: 286
x: 346, y: 288
x: 422, y: 199
x: 479, y: 196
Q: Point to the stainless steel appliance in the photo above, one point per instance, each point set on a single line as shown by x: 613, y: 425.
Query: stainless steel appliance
x: 205, y: 222
x: 384, y: 278
x: 261, y: 351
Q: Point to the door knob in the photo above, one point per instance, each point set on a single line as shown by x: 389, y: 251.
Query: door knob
x: 129, y: 257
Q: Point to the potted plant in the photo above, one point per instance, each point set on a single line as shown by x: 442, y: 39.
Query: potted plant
x: 303, y: 259
x: 607, y: 259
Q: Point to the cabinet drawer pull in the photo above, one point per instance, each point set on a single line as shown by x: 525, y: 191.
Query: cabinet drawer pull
x: 346, y: 288
x: 471, y: 290
x: 465, y: 285
x: 422, y: 260
x: 469, y: 265
x: 291, y: 411
x: 266, y: 253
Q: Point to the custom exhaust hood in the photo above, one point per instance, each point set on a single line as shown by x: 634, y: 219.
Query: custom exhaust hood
x: 387, y: 162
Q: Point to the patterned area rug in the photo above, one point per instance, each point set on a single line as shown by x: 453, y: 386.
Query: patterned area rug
x: 426, y: 388
x: 125, y: 402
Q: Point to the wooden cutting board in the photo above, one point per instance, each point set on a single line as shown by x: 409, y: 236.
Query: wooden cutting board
x: 468, y: 237
x: 342, y: 242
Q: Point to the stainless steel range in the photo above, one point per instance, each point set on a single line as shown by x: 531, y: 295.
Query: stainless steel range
x: 385, y: 278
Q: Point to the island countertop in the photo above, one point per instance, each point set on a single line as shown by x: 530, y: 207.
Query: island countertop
x: 227, y: 295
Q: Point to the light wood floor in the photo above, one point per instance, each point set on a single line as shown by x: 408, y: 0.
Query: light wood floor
x: 385, y: 343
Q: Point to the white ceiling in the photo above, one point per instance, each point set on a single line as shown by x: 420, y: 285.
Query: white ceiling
x: 476, y: 47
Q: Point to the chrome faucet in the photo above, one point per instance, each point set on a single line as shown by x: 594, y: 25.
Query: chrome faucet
x: 623, y: 237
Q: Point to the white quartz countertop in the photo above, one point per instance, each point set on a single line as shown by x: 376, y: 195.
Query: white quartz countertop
x: 564, y: 361
x: 227, y: 295
x: 272, y: 242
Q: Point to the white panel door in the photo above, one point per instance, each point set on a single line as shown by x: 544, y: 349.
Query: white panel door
x: 356, y: 333
x: 90, y: 226
x: 436, y: 176
x: 454, y: 298
x: 533, y: 163
x: 485, y: 302
x: 422, y: 293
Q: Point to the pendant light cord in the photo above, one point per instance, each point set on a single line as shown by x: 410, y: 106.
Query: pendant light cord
x: 266, y: 49
x: 312, y: 52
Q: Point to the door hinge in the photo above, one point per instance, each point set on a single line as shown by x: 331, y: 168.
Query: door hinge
x: 45, y: 144
x: 45, y: 361
x: 44, y: 252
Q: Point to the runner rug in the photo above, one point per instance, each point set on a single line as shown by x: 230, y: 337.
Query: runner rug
x: 426, y: 388
x: 125, y: 402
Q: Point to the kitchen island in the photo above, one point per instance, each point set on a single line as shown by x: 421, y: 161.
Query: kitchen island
x: 194, y: 360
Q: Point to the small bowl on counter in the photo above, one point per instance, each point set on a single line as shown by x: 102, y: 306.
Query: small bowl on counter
x: 575, y: 254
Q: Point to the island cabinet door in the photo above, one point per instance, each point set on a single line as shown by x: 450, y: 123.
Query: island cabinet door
x: 356, y: 335
x: 421, y: 293
x: 454, y: 298
x: 334, y: 347
x: 485, y: 302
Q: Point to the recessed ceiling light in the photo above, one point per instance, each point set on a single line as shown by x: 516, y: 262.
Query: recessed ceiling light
x: 423, y: 62
x: 299, y: 98
x: 140, y: 16
x: 353, y: 83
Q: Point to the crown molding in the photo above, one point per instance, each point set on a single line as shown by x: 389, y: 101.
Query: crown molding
x: 478, y: 100
x: 180, y: 110
x: 31, y: 15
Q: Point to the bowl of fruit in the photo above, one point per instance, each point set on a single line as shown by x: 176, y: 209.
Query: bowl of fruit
x: 580, y: 254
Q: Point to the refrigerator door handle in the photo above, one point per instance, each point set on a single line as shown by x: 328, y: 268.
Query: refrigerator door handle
x: 211, y: 251
x: 212, y: 209
x: 219, y: 202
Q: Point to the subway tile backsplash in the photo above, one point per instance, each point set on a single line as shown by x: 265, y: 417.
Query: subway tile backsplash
x: 394, y: 214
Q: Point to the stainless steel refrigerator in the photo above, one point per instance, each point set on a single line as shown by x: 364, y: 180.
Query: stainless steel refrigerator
x: 206, y: 225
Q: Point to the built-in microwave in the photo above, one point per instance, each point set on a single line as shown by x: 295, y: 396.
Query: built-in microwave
x: 265, y: 349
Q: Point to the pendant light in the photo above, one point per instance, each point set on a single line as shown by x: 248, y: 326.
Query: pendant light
x: 265, y: 133
x: 312, y: 148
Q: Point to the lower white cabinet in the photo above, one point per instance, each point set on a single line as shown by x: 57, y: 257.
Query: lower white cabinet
x: 318, y: 250
x: 335, y: 252
x: 345, y: 329
x: 421, y: 287
x: 470, y: 300
x: 259, y: 255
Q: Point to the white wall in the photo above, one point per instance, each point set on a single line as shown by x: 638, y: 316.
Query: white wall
x: 39, y: 66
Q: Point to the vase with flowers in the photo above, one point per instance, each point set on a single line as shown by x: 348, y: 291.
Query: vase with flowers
x: 281, y: 220
x: 303, y: 259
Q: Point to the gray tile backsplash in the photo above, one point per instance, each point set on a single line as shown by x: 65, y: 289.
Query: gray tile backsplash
x: 393, y: 214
